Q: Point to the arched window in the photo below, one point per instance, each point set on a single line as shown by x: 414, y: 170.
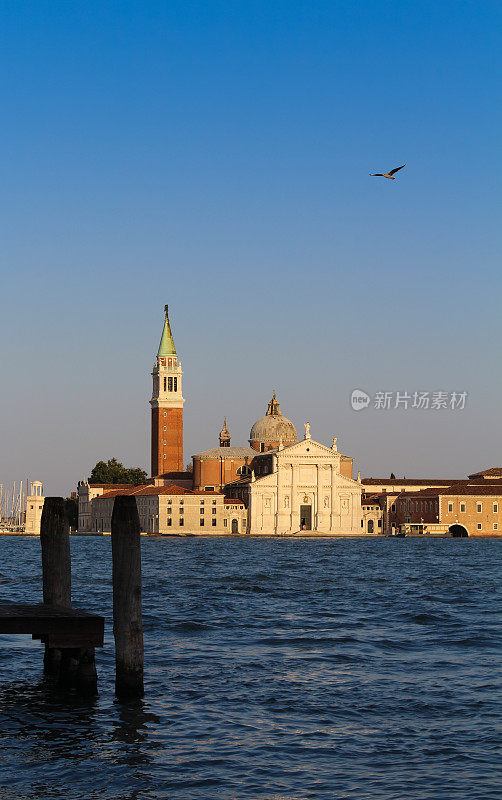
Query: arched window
x: 244, y: 470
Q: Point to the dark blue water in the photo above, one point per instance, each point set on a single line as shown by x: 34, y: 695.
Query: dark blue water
x: 274, y: 670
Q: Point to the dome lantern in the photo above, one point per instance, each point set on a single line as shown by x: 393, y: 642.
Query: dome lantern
x: 272, y: 429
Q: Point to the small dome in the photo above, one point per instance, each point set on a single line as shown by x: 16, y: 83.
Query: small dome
x: 272, y: 428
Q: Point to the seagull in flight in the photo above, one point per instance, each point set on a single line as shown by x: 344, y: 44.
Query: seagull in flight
x: 389, y: 175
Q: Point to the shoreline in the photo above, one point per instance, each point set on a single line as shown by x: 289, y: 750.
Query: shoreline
x: 311, y: 536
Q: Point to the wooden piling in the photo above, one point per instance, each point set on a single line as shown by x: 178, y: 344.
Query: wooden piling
x: 56, y: 562
x: 127, y: 614
x: 75, y: 666
x: 56, y: 567
x: 86, y: 677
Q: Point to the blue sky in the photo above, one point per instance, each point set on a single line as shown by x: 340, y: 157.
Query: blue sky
x: 216, y: 156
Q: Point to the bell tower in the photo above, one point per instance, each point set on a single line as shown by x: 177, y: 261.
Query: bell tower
x: 167, y: 407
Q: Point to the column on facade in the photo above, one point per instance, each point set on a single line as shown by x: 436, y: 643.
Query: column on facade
x: 320, y: 501
x: 333, y: 497
x: 279, y: 498
x: 294, y: 479
x: 252, y: 510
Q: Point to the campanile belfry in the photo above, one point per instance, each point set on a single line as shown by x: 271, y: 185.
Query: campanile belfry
x: 167, y: 407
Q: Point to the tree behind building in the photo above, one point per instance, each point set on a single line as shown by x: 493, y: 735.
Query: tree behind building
x: 112, y: 471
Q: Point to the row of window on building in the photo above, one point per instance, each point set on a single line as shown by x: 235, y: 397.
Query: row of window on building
x: 420, y: 505
x: 202, y: 502
x: 479, y: 508
x: 202, y: 522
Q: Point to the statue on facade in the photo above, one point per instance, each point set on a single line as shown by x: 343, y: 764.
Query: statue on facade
x: 307, y: 430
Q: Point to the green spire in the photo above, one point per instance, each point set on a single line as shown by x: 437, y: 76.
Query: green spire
x: 166, y: 346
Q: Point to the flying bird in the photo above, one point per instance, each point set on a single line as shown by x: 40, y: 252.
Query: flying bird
x: 389, y: 175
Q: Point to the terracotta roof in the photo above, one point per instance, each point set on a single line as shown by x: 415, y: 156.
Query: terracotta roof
x: 152, y: 491
x: 431, y: 492
x: 148, y: 491
x: 493, y: 472
x: 226, y: 452
x: 234, y: 502
x: 491, y: 488
x: 111, y: 485
x: 371, y: 499
x: 175, y: 475
x: 466, y: 488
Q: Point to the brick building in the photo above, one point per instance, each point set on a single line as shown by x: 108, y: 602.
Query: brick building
x: 385, y: 491
x: 466, y: 508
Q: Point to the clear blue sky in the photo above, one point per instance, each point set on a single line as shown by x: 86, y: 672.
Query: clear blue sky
x: 215, y: 156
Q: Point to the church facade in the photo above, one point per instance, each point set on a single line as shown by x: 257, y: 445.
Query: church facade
x: 300, y: 489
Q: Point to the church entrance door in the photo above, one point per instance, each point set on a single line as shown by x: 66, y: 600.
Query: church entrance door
x: 305, y: 518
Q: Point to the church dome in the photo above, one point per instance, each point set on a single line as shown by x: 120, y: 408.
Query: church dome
x: 271, y: 429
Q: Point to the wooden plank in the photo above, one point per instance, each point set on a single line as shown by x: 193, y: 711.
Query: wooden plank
x: 42, y: 611
x: 59, y: 627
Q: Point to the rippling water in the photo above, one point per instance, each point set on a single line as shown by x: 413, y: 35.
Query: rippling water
x: 274, y: 670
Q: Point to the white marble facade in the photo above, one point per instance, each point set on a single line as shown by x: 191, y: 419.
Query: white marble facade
x: 300, y: 488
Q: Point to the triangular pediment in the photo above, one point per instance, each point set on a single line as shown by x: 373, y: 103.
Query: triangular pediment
x: 307, y: 447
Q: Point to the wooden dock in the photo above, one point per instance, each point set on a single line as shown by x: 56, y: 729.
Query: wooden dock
x: 56, y: 627
x: 70, y: 636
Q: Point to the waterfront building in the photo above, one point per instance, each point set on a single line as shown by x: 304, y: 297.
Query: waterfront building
x: 371, y: 515
x: 34, y: 507
x: 174, y: 510
x: 468, y: 508
x: 86, y: 493
x: 385, y: 492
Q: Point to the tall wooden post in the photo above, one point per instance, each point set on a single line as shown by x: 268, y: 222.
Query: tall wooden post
x: 127, y: 615
x: 56, y: 566
x: 56, y: 562
x: 76, y: 667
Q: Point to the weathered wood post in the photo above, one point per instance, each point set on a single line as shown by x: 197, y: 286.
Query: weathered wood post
x: 75, y: 666
x: 127, y: 615
x: 56, y: 566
